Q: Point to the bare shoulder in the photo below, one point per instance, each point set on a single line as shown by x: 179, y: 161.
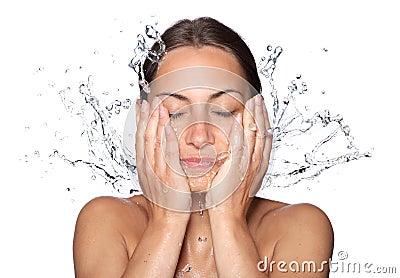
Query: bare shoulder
x: 298, y: 232
x: 106, y: 233
x: 111, y: 209
x: 282, y: 216
x: 287, y: 215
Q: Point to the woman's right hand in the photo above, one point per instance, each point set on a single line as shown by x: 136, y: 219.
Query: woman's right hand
x: 161, y: 176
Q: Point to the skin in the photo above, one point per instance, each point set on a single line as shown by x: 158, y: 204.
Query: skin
x: 134, y: 237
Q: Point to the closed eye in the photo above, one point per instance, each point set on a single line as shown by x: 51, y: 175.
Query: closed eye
x: 175, y: 115
x: 224, y: 114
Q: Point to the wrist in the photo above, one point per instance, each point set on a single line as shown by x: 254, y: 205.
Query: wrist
x: 227, y: 217
x: 170, y: 219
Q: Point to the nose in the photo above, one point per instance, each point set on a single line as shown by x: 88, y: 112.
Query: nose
x: 199, y: 134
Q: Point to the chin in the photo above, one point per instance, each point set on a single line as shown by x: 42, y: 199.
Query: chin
x: 201, y: 183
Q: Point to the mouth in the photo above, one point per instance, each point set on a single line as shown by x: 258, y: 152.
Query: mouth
x: 198, y: 162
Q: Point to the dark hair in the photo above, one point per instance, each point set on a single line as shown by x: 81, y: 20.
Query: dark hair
x: 206, y: 31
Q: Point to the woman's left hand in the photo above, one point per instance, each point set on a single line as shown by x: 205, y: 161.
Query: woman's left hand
x: 240, y: 177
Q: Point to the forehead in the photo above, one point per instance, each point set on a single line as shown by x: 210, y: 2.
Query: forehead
x: 207, y: 56
x: 206, y: 78
x: 208, y: 68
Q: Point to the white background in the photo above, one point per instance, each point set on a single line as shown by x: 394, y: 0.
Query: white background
x: 358, y: 73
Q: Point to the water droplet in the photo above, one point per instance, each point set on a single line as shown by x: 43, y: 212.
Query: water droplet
x: 151, y: 32
x: 304, y: 87
x: 127, y: 103
x: 109, y: 107
x: 187, y: 268
x: 346, y: 130
x: 202, y: 239
x: 298, y: 76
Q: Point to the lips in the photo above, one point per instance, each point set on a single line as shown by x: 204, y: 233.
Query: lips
x: 198, y: 162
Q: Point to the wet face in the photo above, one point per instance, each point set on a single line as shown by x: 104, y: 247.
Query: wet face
x: 202, y: 103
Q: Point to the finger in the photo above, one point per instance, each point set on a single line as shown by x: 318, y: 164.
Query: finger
x: 151, y: 130
x: 137, y: 110
x: 268, y: 139
x: 232, y: 172
x: 163, y: 118
x: 261, y: 129
x: 259, y: 115
x: 266, y: 117
x: 141, y: 127
x: 236, y: 138
x: 265, y: 157
x: 230, y: 168
x: 172, y: 152
x: 249, y: 124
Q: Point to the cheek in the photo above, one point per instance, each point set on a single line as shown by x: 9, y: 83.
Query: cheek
x: 221, y: 142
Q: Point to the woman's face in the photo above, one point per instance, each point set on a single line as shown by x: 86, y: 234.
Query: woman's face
x: 201, y: 115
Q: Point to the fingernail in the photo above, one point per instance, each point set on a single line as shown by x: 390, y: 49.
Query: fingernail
x: 162, y: 111
x: 168, y: 129
x: 236, y: 139
x: 154, y: 103
x: 143, y: 105
x: 250, y: 104
x: 239, y: 118
x: 258, y: 100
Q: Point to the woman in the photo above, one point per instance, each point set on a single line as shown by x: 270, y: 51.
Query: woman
x: 209, y: 145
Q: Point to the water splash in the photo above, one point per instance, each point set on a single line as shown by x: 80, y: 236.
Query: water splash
x: 143, y: 51
x: 267, y: 67
x: 305, y: 145
x: 104, y: 143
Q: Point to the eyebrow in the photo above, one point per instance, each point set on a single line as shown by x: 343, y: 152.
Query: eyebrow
x: 212, y: 97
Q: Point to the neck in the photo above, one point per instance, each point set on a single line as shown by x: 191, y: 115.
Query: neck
x: 198, y: 234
